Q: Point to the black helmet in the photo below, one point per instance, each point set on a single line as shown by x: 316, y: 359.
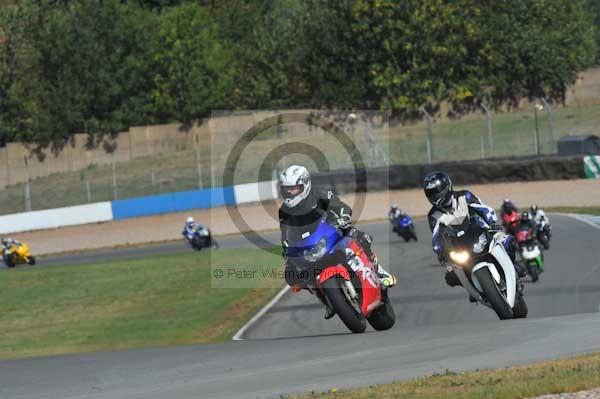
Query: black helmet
x: 526, y: 216
x: 438, y: 189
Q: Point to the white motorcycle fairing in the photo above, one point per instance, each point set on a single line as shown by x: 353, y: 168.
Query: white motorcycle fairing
x: 497, y: 251
x: 527, y: 254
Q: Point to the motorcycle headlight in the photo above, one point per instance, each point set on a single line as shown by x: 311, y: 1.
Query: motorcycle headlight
x: 479, y: 246
x: 460, y: 257
x: 316, y: 252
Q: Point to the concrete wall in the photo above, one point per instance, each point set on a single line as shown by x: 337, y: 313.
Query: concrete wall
x: 137, y: 207
x: 54, y: 218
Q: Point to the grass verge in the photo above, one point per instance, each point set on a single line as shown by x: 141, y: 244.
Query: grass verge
x: 559, y: 376
x: 157, y: 301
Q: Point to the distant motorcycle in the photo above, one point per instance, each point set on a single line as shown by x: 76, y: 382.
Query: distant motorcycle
x: 338, y: 271
x: 200, y: 238
x: 529, y: 250
x: 18, y: 253
x: 481, y: 263
x: 403, y: 226
x: 510, y: 221
x: 543, y: 233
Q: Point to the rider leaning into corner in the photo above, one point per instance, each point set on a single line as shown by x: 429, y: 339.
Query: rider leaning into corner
x: 299, y: 201
x: 395, y: 212
x: 190, y: 227
x: 449, y: 208
x: 6, y: 244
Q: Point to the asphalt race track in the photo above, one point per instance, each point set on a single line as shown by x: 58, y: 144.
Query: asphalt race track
x: 292, y: 349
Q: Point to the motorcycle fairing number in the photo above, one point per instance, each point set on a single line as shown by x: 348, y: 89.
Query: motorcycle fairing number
x: 357, y: 265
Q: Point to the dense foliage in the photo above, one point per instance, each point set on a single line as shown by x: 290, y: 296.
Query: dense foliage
x: 100, y: 66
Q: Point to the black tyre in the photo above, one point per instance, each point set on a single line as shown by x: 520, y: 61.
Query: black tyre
x: 532, y: 269
x: 197, y: 243
x: 546, y: 242
x: 31, y: 260
x: 9, y: 261
x: 346, y: 312
x: 383, y: 318
x: 214, y: 244
x: 520, y: 309
x: 493, y: 294
x: 414, y: 234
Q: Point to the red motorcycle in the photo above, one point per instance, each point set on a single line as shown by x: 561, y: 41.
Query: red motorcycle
x: 510, y: 221
x: 338, y: 271
x: 524, y: 235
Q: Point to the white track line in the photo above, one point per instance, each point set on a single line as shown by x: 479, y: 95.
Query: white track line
x: 582, y: 218
x: 265, y: 309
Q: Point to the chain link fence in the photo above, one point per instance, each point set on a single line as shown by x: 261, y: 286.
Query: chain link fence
x: 532, y: 131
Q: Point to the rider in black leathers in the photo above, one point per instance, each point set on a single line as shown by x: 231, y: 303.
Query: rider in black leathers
x: 303, y: 206
x: 446, y: 201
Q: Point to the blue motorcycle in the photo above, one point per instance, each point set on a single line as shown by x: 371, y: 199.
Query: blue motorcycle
x: 403, y: 226
x: 200, y: 238
x: 338, y: 271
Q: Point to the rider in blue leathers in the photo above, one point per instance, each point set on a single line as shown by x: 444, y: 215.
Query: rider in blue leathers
x: 191, y: 226
x: 448, y: 207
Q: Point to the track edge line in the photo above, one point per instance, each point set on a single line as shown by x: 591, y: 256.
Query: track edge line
x: 238, y: 335
x: 581, y: 218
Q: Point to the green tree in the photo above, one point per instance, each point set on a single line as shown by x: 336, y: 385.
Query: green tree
x: 74, y: 67
x: 425, y: 52
x: 593, y: 7
x: 193, y: 67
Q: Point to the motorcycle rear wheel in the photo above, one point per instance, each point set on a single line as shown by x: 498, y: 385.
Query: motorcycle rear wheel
x: 493, y: 294
x: 340, y: 303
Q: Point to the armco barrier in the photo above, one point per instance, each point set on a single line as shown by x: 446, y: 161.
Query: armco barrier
x: 172, y: 202
x: 53, y: 218
x: 398, y: 177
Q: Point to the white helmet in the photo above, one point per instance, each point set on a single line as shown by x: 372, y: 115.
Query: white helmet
x: 294, y: 185
x: 190, y: 220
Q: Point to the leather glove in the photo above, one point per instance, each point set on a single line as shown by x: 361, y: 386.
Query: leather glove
x: 342, y: 220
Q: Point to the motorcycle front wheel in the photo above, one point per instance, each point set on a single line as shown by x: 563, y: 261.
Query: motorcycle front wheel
x: 383, y: 318
x: 492, y: 294
x: 334, y: 291
x: 31, y: 260
x: 532, y: 269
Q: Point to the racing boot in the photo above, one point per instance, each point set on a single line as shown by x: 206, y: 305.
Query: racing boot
x: 451, y: 277
x: 387, y: 279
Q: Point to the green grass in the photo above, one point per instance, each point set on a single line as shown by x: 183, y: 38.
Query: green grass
x: 158, y: 301
x: 452, y: 140
x: 571, y: 209
x: 563, y: 375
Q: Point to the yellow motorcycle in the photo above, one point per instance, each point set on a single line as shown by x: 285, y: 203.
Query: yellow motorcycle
x: 18, y: 253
